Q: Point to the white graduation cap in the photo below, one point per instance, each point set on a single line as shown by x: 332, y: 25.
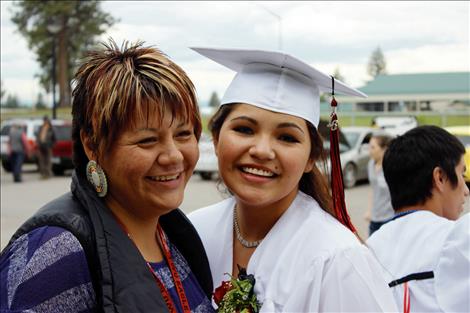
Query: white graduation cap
x: 275, y: 81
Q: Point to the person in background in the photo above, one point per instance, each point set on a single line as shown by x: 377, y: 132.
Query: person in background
x: 117, y: 242
x: 380, y: 208
x: 424, y: 169
x: 45, y: 139
x: 19, y: 149
x: 279, y: 227
x: 373, y: 123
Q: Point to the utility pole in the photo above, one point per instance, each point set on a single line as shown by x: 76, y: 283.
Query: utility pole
x: 53, y: 29
x: 279, y: 19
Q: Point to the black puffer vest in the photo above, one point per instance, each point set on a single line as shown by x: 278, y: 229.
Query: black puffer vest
x: 120, y: 276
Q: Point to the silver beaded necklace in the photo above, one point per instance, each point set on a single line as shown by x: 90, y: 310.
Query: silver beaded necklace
x: 243, y: 241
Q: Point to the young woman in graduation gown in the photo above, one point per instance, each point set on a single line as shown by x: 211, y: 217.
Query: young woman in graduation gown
x: 278, y: 224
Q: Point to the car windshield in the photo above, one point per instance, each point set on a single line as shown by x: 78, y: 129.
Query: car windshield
x: 6, y: 130
x: 342, y: 147
x: 352, y: 138
x: 63, y: 132
x: 464, y: 139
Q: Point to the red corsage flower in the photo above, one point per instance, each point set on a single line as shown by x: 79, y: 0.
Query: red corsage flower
x: 237, y: 295
x: 220, y: 291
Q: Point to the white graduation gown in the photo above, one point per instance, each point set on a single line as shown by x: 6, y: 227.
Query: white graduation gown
x: 452, y: 272
x: 308, y: 262
x: 412, y: 244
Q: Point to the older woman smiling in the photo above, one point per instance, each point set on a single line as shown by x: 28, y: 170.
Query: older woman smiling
x: 116, y: 242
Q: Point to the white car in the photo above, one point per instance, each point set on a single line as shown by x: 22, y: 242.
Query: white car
x: 395, y: 125
x: 32, y: 127
x: 355, y: 159
x: 354, y: 152
x: 207, y: 166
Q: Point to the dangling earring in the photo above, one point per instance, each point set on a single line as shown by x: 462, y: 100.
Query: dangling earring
x: 97, y: 178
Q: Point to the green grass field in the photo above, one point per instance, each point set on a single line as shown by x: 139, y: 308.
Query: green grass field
x: 62, y: 113
x: 431, y: 118
x: 346, y: 119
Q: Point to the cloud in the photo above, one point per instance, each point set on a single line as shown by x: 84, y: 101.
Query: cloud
x: 387, y: 21
x: 18, y: 63
x: 430, y: 58
x: 414, y: 36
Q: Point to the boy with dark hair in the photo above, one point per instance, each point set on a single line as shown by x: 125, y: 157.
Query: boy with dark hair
x: 424, y: 170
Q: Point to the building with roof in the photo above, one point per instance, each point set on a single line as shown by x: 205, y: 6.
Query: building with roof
x: 413, y: 92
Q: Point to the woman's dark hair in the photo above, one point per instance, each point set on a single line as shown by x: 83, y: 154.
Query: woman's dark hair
x: 116, y: 85
x: 410, y: 160
x: 313, y: 183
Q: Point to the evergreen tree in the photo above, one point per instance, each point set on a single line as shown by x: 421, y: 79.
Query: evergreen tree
x: 377, y: 64
x: 2, y: 92
x: 40, y: 104
x: 338, y: 76
x: 214, y: 102
x: 12, y: 102
x: 77, y: 24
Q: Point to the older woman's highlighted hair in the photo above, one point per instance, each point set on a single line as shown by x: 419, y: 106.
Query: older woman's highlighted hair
x: 114, y: 86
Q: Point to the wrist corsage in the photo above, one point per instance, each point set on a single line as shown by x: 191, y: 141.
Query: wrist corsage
x: 237, y: 294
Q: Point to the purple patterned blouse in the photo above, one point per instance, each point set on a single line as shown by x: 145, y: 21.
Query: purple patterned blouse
x: 46, y: 271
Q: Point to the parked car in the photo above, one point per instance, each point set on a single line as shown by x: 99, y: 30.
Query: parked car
x: 32, y: 127
x: 354, y: 152
x: 62, y: 149
x: 354, y: 161
x: 207, y: 166
x: 395, y: 125
x: 463, y: 133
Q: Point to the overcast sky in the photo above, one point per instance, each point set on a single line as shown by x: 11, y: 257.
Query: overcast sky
x: 415, y: 37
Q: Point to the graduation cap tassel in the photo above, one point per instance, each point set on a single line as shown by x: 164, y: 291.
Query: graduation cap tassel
x: 337, y: 186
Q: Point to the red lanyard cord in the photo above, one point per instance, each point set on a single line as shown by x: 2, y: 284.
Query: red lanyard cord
x: 406, y: 299
x: 174, y: 273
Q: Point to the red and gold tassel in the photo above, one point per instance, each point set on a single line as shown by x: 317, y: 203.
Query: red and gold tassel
x: 337, y: 185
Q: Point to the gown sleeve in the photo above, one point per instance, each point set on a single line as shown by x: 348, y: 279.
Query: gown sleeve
x: 351, y: 280
x: 452, y: 274
x: 45, y: 270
